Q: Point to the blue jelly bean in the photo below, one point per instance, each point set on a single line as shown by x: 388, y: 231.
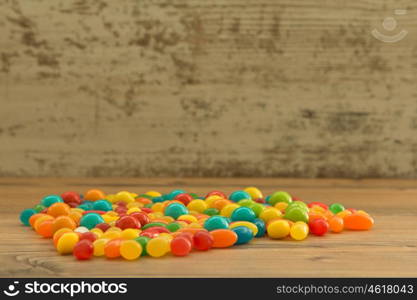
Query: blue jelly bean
x: 216, y: 222
x: 244, y: 235
x: 86, y: 206
x: 261, y: 227
x: 243, y: 214
x: 158, y: 199
x: 51, y: 199
x: 175, y: 193
x: 25, y: 215
x: 103, y: 205
x: 175, y: 210
x: 239, y: 195
x: 90, y: 220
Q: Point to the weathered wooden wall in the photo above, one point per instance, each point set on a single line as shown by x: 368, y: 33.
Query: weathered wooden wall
x: 206, y: 88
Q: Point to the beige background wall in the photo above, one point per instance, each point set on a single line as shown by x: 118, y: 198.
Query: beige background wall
x: 206, y: 88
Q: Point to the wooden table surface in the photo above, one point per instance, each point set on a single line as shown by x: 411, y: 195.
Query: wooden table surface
x: 389, y: 249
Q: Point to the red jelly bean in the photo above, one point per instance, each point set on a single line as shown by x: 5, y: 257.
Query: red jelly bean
x: 319, y: 226
x: 318, y: 204
x: 71, y: 197
x: 83, y: 249
x: 141, y: 217
x: 216, y: 193
x: 103, y: 226
x: 188, y: 235
x: 180, y: 246
x: 203, y: 240
x: 88, y: 236
x: 184, y: 198
x: 128, y: 222
x: 146, y: 209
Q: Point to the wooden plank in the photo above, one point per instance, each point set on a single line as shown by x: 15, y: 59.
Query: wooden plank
x: 387, y: 250
x: 206, y: 88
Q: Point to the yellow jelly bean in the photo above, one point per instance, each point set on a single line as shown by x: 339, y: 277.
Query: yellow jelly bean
x: 165, y: 235
x: 228, y: 209
x: 211, y: 199
x: 158, y: 207
x: 269, y: 214
x: 130, y: 250
x: 344, y: 213
x: 299, y: 231
x: 250, y: 225
x: 254, y: 192
x: 114, y: 228
x: 158, y: 247
x: 111, y: 235
x: 153, y: 194
x: 124, y: 196
x: 97, y: 231
x: 278, y: 229
x: 111, y: 198
x: 190, y: 218
x: 67, y: 242
x: 197, y: 205
x: 133, y: 204
x: 129, y: 234
x: 133, y: 209
x: 99, y: 246
x: 281, y: 206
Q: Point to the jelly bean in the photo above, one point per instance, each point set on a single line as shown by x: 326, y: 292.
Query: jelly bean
x: 175, y: 210
x: 344, y: 213
x: 66, y: 242
x: 112, y: 248
x: 269, y: 214
x: 25, y: 216
x: 239, y: 195
x: 282, y: 206
x: 184, y: 198
x: 261, y: 227
x: 299, y: 204
x: 158, y: 247
x: 243, y: 214
x: 245, y: 202
x: 319, y: 227
x: 153, y: 193
x: 94, y: 195
x: 142, y: 217
x: 188, y: 218
x: 97, y: 231
x: 58, y: 234
x: 81, y: 229
x: 202, y: 240
x: 143, y: 241
x: 295, y: 214
x: 91, y: 220
x: 223, y: 238
x: 358, y: 221
x: 336, y: 208
x: 174, y: 194
x: 254, y: 192
x: 103, y: 205
x: 216, y: 193
x: 228, y: 209
x: 63, y: 222
x: 83, y: 249
x: 41, y: 220
x: 211, y: 211
x: 88, y: 236
x: 99, y: 245
x: 278, y: 229
x: 45, y: 228
x: 249, y: 225
x: 129, y: 234
x: 180, y: 246
x: 244, y: 235
x: 128, y: 222
x: 39, y: 207
x: 173, y: 227
x: 58, y: 209
x: 51, y: 199
x: 221, y: 203
x: 216, y: 222
x: 130, y: 249
x: 71, y: 197
x: 299, y: 231
x: 197, y: 205
x: 322, y: 205
x: 336, y: 224
x: 280, y: 196
x: 153, y: 224
x: 103, y: 226
x: 257, y: 208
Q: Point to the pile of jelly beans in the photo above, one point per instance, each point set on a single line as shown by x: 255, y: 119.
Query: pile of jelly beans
x: 152, y: 224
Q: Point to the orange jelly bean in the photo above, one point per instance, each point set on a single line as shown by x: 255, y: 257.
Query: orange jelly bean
x: 45, y: 228
x: 94, y: 195
x: 358, y: 221
x: 35, y: 217
x: 223, y: 238
x: 112, y: 248
x: 58, y: 209
x: 63, y: 222
x: 336, y: 224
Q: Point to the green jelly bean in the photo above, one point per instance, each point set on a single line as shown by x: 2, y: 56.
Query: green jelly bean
x: 296, y: 214
x: 280, y: 196
x: 336, y: 208
x: 154, y: 224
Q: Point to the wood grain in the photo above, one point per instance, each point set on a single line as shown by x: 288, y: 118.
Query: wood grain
x: 390, y: 249
x: 252, y: 88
